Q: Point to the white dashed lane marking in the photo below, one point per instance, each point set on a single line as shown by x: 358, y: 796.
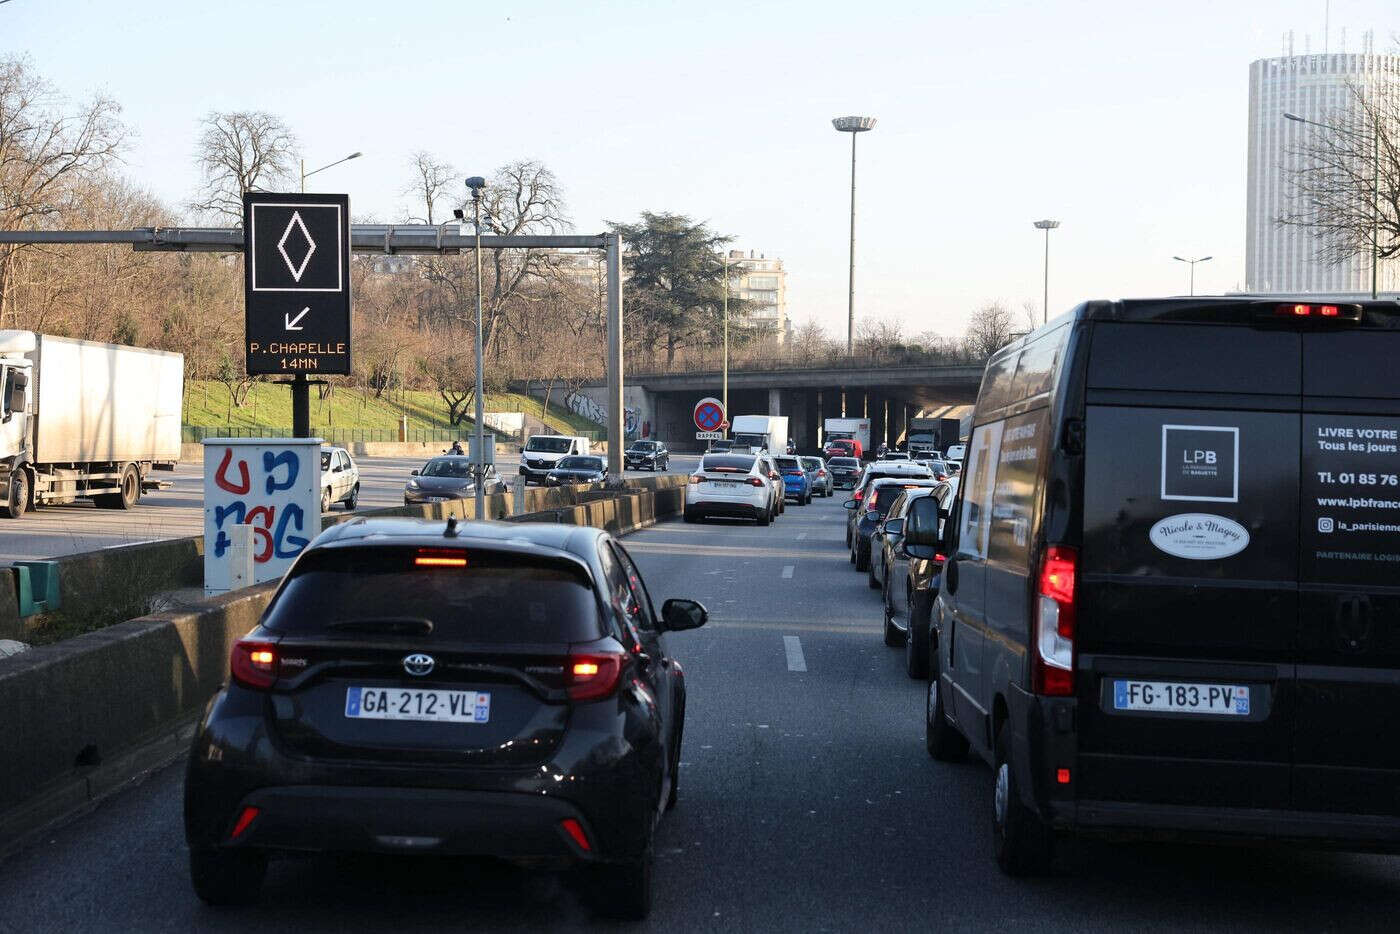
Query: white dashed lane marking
x: 793, y: 646
x: 787, y: 571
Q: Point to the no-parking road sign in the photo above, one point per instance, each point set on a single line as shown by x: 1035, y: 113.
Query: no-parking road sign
x: 709, y: 414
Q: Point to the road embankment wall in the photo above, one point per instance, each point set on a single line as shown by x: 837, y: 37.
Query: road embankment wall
x: 83, y: 717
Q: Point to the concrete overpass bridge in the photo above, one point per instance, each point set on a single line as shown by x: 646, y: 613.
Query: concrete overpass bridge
x: 889, y: 395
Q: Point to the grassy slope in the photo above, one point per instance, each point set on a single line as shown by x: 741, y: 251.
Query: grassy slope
x: 270, y: 404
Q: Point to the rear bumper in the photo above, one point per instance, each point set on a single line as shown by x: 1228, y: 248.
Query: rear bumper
x: 1044, y: 739
x: 317, y: 818
x: 1119, y: 818
x: 722, y: 508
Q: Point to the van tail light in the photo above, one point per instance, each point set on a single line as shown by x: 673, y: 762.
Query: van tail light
x: 1300, y: 311
x: 755, y: 481
x: 696, y: 478
x: 1052, y: 665
x: 594, y: 676
x: 254, y: 664
x: 576, y: 833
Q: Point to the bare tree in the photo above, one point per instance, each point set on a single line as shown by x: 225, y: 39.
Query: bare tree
x: 241, y: 151
x: 990, y: 329
x: 1031, y: 312
x: 45, y: 147
x: 1347, y: 185
x: 432, y: 180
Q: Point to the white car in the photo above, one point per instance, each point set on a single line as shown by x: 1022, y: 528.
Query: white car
x: 955, y: 453
x: 730, y: 485
x: 340, y: 479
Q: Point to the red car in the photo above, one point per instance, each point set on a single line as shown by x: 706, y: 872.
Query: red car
x: 842, y: 447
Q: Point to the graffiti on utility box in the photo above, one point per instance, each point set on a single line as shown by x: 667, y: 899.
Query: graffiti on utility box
x: 271, y: 485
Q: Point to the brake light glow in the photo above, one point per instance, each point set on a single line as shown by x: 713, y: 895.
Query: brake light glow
x: 254, y: 664
x: 1062, y: 776
x: 1052, y: 669
x: 440, y: 558
x: 244, y: 821
x: 1332, y: 312
x: 594, y: 676
x: 575, y: 831
x: 755, y: 481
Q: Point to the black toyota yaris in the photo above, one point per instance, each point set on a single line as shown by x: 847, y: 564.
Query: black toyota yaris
x: 491, y: 689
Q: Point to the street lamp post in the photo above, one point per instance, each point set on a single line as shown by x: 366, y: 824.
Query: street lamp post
x: 853, y: 126
x: 1193, y: 263
x: 305, y: 174
x: 724, y: 394
x: 1375, y: 192
x: 1047, y: 226
x: 476, y: 183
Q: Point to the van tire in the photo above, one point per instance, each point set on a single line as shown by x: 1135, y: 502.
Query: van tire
x: 941, y: 737
x: 17, y: 495
x: 1021, y: 841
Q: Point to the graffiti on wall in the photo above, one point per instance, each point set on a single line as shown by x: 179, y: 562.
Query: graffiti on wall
x: 272, y: 486
x: 587, y: 407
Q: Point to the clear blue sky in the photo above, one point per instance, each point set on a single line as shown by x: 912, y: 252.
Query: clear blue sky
x: 1124, y: 120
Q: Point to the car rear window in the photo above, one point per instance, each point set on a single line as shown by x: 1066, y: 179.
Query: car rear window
x: 889, y: 492
x: 787, y: 463
x: 844, y: 462
x: 495, y: 598
x: 739, y: 462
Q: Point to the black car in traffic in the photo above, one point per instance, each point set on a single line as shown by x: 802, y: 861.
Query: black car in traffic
x: 647, y: 455
x: 577, y: 468
x: 845, y: 471
x: 501, y: 690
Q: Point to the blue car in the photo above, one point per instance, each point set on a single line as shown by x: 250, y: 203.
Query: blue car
x: 796, y: 486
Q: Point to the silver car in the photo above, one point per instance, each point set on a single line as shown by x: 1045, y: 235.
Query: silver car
x: 817, y: 475
x: 447, y: 477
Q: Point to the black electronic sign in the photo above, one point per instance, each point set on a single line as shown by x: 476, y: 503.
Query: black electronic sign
x: 296, y: 283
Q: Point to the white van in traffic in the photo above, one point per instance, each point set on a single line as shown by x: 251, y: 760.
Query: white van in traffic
x: 542, y: 452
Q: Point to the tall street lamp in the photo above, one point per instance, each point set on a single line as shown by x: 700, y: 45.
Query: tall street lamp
x: 724, y: 394
x: 1047, y: 226
x: 1193, y: 263
x: 305, y: 174
x: 1375, y: 190
x: 853, y: 126
x: 476, y: 183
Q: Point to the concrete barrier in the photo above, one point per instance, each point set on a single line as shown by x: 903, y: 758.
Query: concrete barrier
x: 82, y: 717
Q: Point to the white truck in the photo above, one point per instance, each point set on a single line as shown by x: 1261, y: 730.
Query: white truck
x: 82, y: 419
x: 759, y: 433
x: 542, y: 452
x: 855, y: 429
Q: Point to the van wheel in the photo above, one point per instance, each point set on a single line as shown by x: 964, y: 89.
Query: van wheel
x: 1021, y: 841
x: 941, y: 737
x: 17, y: 499
x: 916, y: 640
x: 227, y: 877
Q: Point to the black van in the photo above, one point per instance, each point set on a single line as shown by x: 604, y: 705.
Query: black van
x: 1171, y: 604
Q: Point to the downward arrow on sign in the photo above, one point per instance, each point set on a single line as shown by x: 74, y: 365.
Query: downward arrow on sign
x: 292, y: 322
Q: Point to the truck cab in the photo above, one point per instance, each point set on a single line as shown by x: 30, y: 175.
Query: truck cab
x: 15, y: 371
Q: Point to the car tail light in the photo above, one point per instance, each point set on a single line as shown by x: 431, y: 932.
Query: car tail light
x: 440, y: 558
x: 821, y: 473
x: 1052, y: 666
x: 245, y: 820
x: 874, y: 498
x: 755, y: 481
x: 594, y: 676
x: 254, y: 664
x: 860, y: 494
x: 696, y: 478
x: 575, y: 831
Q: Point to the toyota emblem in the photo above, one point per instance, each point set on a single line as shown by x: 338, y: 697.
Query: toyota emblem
x: 418, y: 664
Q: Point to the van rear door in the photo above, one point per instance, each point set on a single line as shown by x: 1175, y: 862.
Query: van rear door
x: 1187, y: 626
x: 1349, y: 650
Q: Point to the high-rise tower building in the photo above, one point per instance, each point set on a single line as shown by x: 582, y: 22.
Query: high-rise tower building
x: 1282, y: 258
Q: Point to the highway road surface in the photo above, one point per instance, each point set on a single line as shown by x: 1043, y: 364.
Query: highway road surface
x: 179, y: 511
x: 807, y: 803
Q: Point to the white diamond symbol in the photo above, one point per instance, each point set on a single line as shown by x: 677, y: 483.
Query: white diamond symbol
x: 296, y: 270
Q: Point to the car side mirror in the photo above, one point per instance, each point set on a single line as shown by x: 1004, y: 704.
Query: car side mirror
x: 413, y: 472
x: 679, y: 615
x: 894, y: 526
x: 849, y: 504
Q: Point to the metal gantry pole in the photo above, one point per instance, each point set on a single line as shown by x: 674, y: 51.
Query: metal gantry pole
x: 479, y: 462
x: 724, y: 392
x: 851, y: 272
x: 615, y: 412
